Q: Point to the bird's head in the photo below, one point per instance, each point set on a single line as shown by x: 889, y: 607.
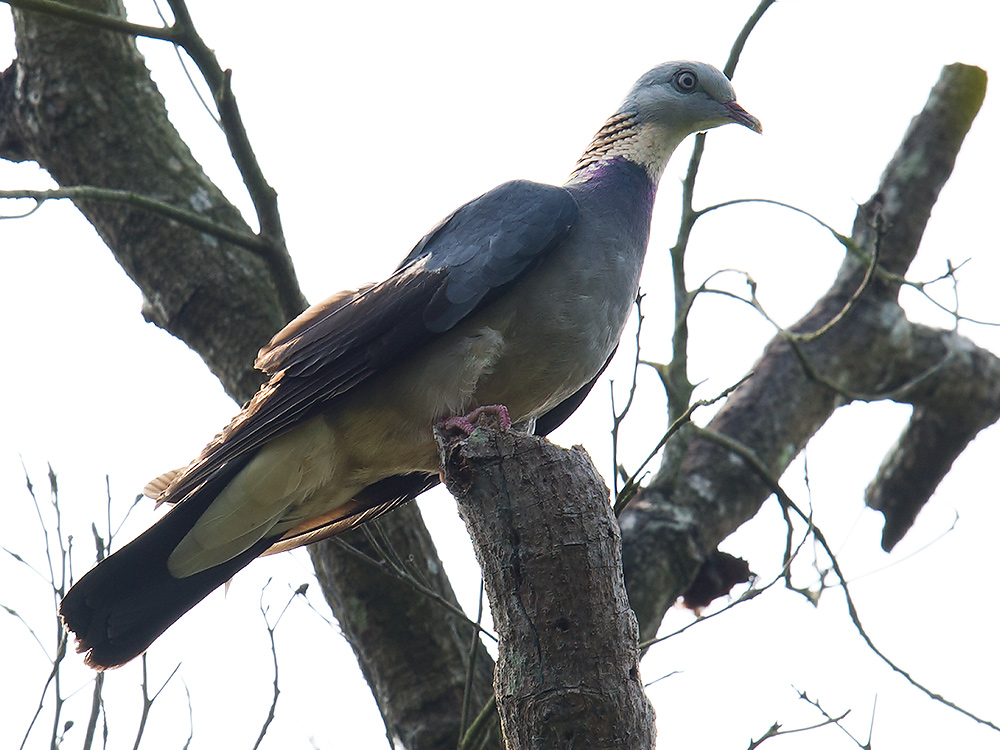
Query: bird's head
x: 686, y: 97
x: 664, y: 107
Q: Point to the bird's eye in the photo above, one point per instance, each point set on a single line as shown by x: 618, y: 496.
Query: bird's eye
x: 686, y: 81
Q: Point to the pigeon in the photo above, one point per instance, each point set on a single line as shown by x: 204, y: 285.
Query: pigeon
x: 514, y: 303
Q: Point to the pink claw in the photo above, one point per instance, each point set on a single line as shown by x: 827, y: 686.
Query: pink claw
x: 467, y: 424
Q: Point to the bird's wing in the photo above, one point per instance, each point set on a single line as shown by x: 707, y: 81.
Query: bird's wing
x: 388, y: 494
x: 460, y: 266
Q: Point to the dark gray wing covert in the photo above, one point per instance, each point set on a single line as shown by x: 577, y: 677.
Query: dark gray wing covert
x: 461, y: 265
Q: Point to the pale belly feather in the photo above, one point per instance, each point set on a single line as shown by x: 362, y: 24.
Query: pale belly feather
x: 527, y: 351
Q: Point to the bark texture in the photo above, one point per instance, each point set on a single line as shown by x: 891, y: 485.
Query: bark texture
x: 413, y: 651
x: 706, y: 492
x: 550, y: 550
x: 80, y: 102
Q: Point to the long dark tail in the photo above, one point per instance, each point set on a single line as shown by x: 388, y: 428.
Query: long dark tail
x: 126, y: 602
x: 123, y: 604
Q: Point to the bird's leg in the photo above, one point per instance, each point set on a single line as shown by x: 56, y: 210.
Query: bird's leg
x: 467, y: 423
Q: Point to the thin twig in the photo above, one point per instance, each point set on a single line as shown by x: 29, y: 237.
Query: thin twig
x: 836, y: 719
x: 631, y: 486
x: 403, y: 575
x: 187, y: 72
x: 922, y: 548
x: 17, y: 615
x: 677, y: 383
x: 274, y: 653
x: 619, y: 417
x: 746, y: 596
x: 252, y: 242
x: 862, y: 287
x: 470, y: 673
x: 847, y: 242
x: 775, y: 730
x: 274, y: 663
x: 57, y: 589
x: 187, y: 694
x: 263, y: 196
x: 147, y: 701
x: 741, y: 39
x: 93, y: 18
x: 95, y: 711
x: 765, y: 474
x: 881, y: 272
x: 751, y: 593
x: 480, y: 726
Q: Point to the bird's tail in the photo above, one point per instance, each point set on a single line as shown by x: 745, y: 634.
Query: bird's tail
x: 121, y: 606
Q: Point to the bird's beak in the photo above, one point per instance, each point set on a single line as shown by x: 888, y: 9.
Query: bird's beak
x: 741, y: 116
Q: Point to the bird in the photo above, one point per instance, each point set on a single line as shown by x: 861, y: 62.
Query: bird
x: 515, y: 302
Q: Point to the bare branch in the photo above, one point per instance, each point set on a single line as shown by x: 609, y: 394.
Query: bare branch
x: 95, y: 711
x: 837, y: 719
x: 700, y: 495
x: 619, y: 417
x: 776, y: 730
x: 631, y: 486
x: 189, y: 218
x: 92, y: 18
x: 758, y: 467
x: 274, y: 662
x: 741, y: 39
x: 147, y: 700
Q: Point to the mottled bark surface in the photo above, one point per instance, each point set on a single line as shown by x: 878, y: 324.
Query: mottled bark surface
x: 418, y: 688
x: 81, y: 103
x: 550, y: 550
x: 799, y: 381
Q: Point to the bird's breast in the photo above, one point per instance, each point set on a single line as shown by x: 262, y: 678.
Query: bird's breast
x: 562, y: 323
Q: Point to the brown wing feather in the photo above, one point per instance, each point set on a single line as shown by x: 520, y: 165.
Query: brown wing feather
x: 156, y: 488
x: 372, y: 502
x: 268, y: 356
x: 463, y: 264
x: 348, y: 516
x: 341, y: 343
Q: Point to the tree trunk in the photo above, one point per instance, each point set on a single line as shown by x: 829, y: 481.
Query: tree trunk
x: 550, y: 550
x: 672, y: 526
x: 80, y: 102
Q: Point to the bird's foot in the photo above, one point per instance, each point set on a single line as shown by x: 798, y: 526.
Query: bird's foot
x: 468, y: 423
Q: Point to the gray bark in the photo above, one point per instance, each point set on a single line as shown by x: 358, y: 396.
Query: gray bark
x: 704, y: 493
x: 550, y: 550
x: 80, y: 102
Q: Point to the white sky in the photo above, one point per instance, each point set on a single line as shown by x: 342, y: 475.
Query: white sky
x: 372, y: 111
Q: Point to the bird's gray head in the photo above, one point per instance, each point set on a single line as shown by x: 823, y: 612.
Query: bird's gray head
x: 686, y: 97
x: 664, y: 107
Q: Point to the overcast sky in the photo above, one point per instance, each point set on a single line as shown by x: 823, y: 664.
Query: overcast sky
x: 375, y: 120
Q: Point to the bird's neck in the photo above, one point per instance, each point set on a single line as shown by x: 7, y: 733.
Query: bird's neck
x: 622, y: 137
x: 618, y: 175
x: 621, y: 194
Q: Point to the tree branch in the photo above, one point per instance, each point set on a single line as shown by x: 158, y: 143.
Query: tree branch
x: 549, y: 547
x: 189, y: 218
x: 412, y: 651
x: 93, y: 18
x: 80, y: 101
x: 952, y: 405
x: 699, y: 498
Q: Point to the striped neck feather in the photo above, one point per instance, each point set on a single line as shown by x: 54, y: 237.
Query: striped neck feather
x: 623, y: 136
